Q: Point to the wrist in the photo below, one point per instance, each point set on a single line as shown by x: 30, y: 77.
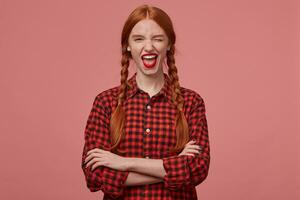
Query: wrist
x: 129, y: 162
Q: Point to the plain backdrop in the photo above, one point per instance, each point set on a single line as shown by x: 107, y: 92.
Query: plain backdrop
x: 241, y: 56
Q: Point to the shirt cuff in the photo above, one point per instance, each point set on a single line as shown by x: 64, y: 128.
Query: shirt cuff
x: 177, y: 172
x: 113, y: 181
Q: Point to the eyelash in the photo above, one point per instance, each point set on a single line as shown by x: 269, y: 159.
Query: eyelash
x: 160, y: 40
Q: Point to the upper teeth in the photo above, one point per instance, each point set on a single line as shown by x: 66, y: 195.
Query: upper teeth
x: 149, y: 57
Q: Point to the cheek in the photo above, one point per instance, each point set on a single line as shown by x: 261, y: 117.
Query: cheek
x: 163, y: 53
x: 135, y: 55
x: 162, y: 48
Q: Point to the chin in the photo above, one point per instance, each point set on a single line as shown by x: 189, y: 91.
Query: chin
x: 150, y: 72
x: 153, y: 71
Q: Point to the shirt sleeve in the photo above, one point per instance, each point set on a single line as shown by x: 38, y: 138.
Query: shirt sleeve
x: 186, y: 172
x: 96, y: 135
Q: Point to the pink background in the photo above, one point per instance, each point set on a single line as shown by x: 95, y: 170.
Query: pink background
x: 241, y: 56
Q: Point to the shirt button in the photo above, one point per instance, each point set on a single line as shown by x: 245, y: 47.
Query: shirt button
x: 148, y: 130
x: 148, y: 107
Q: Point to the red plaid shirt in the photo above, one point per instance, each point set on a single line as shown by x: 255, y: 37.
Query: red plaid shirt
x: 149, y: 132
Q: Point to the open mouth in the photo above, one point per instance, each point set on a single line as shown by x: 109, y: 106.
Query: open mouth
x: 149, y: 60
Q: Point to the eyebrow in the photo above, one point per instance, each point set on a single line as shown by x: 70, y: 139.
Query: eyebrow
x: 137, y: 35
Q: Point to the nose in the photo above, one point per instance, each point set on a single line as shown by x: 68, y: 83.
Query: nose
x: 148, y: 46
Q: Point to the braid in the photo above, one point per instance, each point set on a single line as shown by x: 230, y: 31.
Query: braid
x: 182, y: 131
x: 118, y: 115
x: 124, y: 77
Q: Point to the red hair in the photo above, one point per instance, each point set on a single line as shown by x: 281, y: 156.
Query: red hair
x: 118, y: 116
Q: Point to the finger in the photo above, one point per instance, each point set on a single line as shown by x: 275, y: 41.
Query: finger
x: 98, y: 164
x: 94, y: 151
x: 89, y: 157
x: 90, y: 162
x: 191, y: 142
x: 93, y: 161
x: 199, y: 147
x: 189, y: 154
x: 195, y: 146
x: 194, y: 151
x: 91, y: 151
x: 92, y: 155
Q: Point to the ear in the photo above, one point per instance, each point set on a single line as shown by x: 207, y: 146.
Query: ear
x: 169, y: 47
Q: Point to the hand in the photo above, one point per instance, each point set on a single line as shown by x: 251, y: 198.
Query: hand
x: 191, y: 148
x: 99, y: 157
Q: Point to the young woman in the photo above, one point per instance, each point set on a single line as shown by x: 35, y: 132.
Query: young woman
x: 147, y: 138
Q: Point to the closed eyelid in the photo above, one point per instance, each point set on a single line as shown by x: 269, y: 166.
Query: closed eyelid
x: 141, y: 37
x: 156, y: 39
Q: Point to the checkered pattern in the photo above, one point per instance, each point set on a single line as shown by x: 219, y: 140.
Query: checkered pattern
x: 149, y: 133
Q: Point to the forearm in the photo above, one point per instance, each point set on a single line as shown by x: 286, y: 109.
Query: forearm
x: 135, y: 178
x: 151, y: 167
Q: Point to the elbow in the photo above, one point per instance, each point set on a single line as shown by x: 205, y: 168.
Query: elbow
x: 92, y: 188
x: 200, y: 173
x: 107, y: 191
x: 199, y: 178
x: 180, y: 182
x: 187, y: 184
x: 189, y: 179
x: 186, y: 173
x: 95, y: 182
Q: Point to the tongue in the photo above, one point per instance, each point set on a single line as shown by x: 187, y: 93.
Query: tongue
x: 149, y: 63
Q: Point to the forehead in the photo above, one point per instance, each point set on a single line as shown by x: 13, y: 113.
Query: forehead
x: 147, y: 27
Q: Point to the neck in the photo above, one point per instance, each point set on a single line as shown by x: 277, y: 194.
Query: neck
x: 151, y: 84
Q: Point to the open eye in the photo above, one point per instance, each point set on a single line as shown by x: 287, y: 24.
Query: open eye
x: 159, y: 40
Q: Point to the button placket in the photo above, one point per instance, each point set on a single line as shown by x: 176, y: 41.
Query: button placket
x: 147, y: 128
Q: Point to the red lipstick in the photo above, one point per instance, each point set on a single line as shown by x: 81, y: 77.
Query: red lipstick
x: 149, y: 59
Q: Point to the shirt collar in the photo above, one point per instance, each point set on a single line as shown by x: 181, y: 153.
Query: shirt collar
x: 165, y: 91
